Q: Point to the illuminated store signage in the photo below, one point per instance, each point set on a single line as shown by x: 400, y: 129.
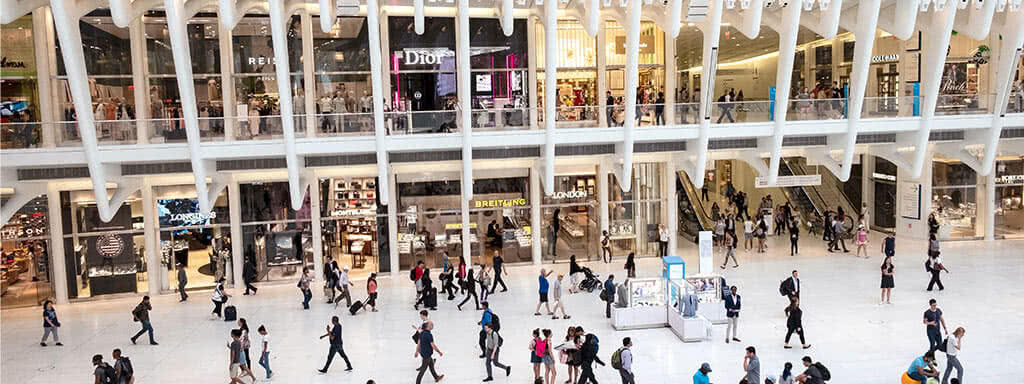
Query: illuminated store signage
x: 883, y: 176
x: 262, y: 60
x: 1010, y: 179
x: 424, y: 56
x: 499, y: 203
x: 569, y: 195
x: 885, y: 58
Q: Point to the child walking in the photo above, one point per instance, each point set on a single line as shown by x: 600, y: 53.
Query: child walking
x: 862, y: 240
x: 265, y: 355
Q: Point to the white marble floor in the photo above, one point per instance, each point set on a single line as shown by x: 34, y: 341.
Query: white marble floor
x: 860, y: 341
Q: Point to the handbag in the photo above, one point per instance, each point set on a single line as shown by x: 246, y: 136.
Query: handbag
x: 563, y: 356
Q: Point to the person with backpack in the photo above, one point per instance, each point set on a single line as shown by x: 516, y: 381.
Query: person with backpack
x: 589, y: 356
x: 791, y: 286
x: 622, y: 360
x: 816, y: 373
x: 608, y: 295
x: 492, y: 345
x: 538, y: 349
x: 51, y: 324
x: 488, y: 317
x: 103, y: 372
x: 428, y: 285
x: 123, y: 368
x: 935, y: 267
x: 141, y: 314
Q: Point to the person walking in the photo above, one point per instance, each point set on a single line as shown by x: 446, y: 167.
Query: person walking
x: 123, y: 367
x: 471, y: 291
x: 265, y: 351
x: 837, y: 235
x: 610, y: 109
x: 371, y: 292
x: 343, y: 285
x: 243, y: 326
x: 887, y: 281
x: 608, y: 295
x: 574, y: 274
x: 492, y: 345
x: 791, y: 286
x: 659, y: 109
x: 953, y: 345
x: 556, y: 225
x: 235, y: 361
x: 182, y: 282
x: 589, y: 356
x: 50, y: 324
x: 337, y: 346
x: 425, y: 349
x: 730, y: 250
x: 794, y: 237
x: 752, y: 367
x: 726, y: 107
x: 732, y: 314
x: 935, y: 267
x: 499, y: 264
x: 794, y: 322
x: 141, y: 314
x: 304, y: 282
x: 556, y: 292
x: 933, y: 320
x: 487, y: 318
x: 331, y: 278
x: 862, y: 240
x: 889, y: 244
x: 663, y: 237
x: 630, y: 265
x: 626, y: 362
x: 249, y: 275
x: 103, y: 372
x: 428, y: 287
x: 606, y: 247
x: 219, y: 297
x: 701, y: 377
x: 448, y: 283
x: 748, y: 234
x: 484, y: 279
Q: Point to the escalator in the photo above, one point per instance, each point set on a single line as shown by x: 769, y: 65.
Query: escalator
x: 829, y: 196
x: 693, y: 218
x: 799, y: 195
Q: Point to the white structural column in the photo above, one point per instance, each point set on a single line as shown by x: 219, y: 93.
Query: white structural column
x: 462, y: 56
x: 308, y: 80
x: 602, y: 194
x: 550, y: 82
x: 602, y: 75
x: 670, y: 79
x: 151, y: 236
x: 531, y: 68
x: 374, y: 27
x: 864, y: 33
x: 57, y: 261
x: 227, y: 78
x: 317, y: 226
x: 278, y: 19
x: 237, y: 240
x: 467, y: 244
x: 624, y: 150
x: 65, y: 21
x: 390, y: 182
x: 418, y: 16
x: 783, y: 78
x: 385, y: 74
x: 140, y: 68
x: 938, y: 29
x: 41, y: 21
x: 1012, y: 33
x: 672, y: 210
x: 535, y: 220
x: 990, y: 206
x: 712, y: 29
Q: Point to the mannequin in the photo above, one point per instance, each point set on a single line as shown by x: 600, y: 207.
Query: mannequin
x: 204, y: 121
x: 299, y: 108
x: 156, y: 111
x: 339, y: 107
x: 254, y: 121
x: 325, y: 109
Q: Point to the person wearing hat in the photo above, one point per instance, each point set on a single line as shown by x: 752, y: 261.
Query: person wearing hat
x: 862, y: 240
x: 182, y: 281
x: 343, y: 284
x: 701, y: 377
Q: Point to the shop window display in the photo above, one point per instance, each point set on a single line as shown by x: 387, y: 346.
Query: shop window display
x: 576, y: 75
x: 277, y: 240
x: 570, y: 219
x: 256, y: 84
x: 1009, y: 209
x: 352, y: 220
x: 500, y: 210
x: 103, y: 257
x: 499, y: 72
x: 423, y: 76
x: 954, y: 200
x: 19, y: 99
x: 344, y: 101
x: 199, y: 242
x: 25, y: 268
x: 635, y: 216
x: 110, y: 82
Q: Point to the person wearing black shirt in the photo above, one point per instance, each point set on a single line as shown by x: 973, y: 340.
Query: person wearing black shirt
x: 470, y: 291
x: 610, y: 106
x: 249, y: 275
x: 589, y: 355
x: 425, y: 348
x: 337, y: 346
x: 498, y: 270
x: 794, y: 322
x: 659, y: 109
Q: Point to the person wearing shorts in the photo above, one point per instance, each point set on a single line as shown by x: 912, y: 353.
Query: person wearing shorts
x: 235, y: 368
x: 748, y: 235
x: 543, y: 293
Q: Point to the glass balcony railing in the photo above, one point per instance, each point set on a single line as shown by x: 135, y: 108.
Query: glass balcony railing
x: 740, y: 112
x: 341, y: 124
x: 1015, y: 103
x: 501, y: 119
x: 421, y: 122
x: 687, y: 113
x: 579, y: 116
x: 816, y: 109
x: 890, y: 106
x: 977, y: 104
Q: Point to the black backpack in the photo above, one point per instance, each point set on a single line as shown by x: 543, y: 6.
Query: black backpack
x: 127, y: 370
x: 109, y: 374
x: 942, y: 345
x: 783, y: 289
x: 825, y: 374
x: 412, y: 274
x: 495, y: 322
x: 928, y: 265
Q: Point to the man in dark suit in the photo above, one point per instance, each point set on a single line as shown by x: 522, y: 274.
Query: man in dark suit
x: 732, y: 313
x: 792, y: 285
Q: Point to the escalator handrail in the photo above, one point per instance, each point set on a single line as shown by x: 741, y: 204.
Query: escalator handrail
x: 691, y: 192
x: 839, y: 191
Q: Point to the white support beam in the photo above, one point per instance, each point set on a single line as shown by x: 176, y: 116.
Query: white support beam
x: 828, y: 21
x: 712, y: 29
x: 624, y: 150
x: 890, y: 153
x: 417, y: 18
x: 305, y: 107
x: 279, y: 33
x: 978, y: 21
x: 750, y: 19
x: 14, y: 9
x: 23, y: 193
x: 123, y: 12
x: 901, y: 22
x: 550, y: 83
x: 788, y: 30
x: 41, y: 21
x: 824, y: 157
x: 1010, y: 50
x: 465, y: 113
x: 936, y: 43
x: 531, y: 70
x: 56, y: 229
x: 754, y: 160
x: 505, y: 14
x: 329, y: 14
x: 864, y: 33
x: 376, y: 79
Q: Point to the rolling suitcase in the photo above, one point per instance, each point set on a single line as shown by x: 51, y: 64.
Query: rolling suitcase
x: 230, y: 313
x: 431, y: 300
x: 356, y: 306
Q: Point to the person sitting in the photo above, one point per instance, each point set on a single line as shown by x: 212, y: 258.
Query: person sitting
x: 921, y: 369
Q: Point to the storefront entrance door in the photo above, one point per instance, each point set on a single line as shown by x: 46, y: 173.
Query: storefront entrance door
x: 577, y: 232
x: 885, y: 204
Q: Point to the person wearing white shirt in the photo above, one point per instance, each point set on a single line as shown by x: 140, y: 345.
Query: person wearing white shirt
x: 748, y: 235
x: 662, y: 240
x: 626, y: 356
x: 953, y: 345
x: 265, y: 355
x: 343, y: 284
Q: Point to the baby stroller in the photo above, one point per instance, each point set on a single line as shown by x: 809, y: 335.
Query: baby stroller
x: 590, y: 281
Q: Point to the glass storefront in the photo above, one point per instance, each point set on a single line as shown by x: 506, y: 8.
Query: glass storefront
x: 635, y: 215
x: 276, y: 239
x: 19, y: 98
x: 884, y: 179
x: 354, y: 224
x: 651, y: 74
x: 499, y: 72
x: 201, y: 243
x: 430, y: 221
x: 576, y: 75
x: 502, y: 206
x: 25, y: 269
x: 103, y: 257
x: 344, y: 104
x: 255, y: 77
x: 1009, y: 210
x: 574, y: 205
x: 423, y: 78
x: 954, y: 199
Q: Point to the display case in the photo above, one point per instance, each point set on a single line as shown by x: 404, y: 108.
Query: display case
x: 708, y: 289
x: 644, y: 305
x: 686, y: 324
